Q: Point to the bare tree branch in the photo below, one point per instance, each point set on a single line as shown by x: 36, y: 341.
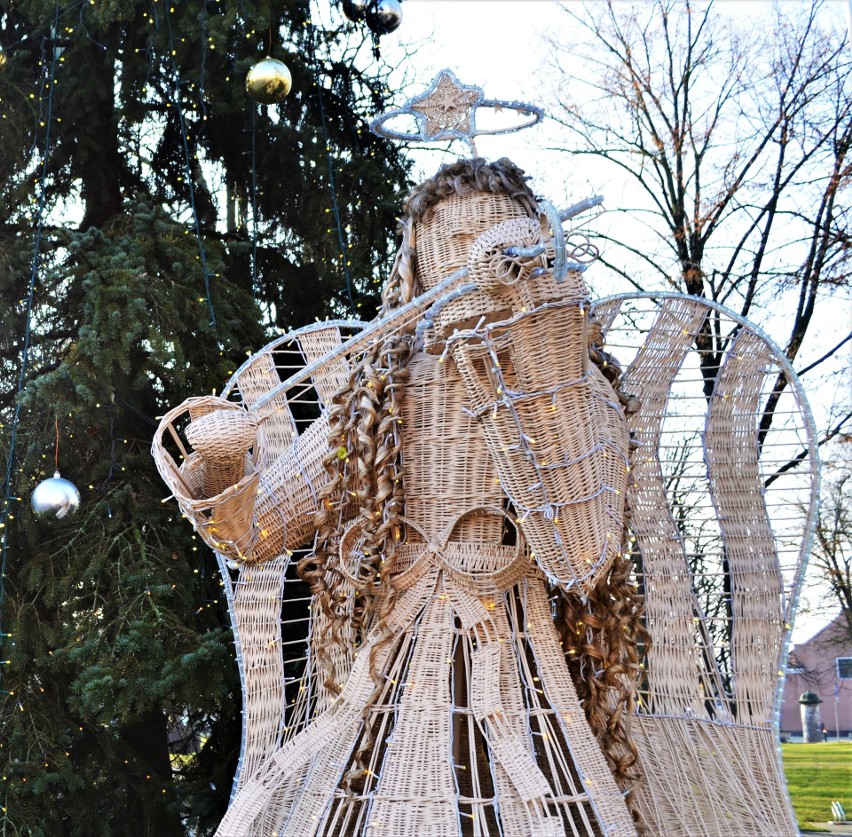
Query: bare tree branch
x: 804, y: 453
x: 827, y: 355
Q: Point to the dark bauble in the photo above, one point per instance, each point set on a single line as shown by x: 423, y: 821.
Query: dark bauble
x: 355, y: 10
x: 384, y: 16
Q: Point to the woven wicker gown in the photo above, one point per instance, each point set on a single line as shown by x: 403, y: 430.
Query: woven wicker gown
x: 477, y: 727
x: 477, y: 722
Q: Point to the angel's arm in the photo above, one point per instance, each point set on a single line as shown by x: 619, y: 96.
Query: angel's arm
x: 247, y: 503
x: 555, y: 429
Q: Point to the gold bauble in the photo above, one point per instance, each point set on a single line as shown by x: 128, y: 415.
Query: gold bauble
x: 269, y: 81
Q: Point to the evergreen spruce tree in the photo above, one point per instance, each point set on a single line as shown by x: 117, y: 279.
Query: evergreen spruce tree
x: 162, y: 255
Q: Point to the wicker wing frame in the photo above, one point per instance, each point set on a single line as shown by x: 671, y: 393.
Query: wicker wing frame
x: 722, y: 521
x: 232, y: 507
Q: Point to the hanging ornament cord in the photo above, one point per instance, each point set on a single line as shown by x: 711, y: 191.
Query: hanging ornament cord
x: 190, y: 179
x: 335, y: 208
x: 202, y: 72
x: 254, y: 283
x: 56, y: 448
x: 255, y: 287
x: 45, y: 117
x: 51, y: 27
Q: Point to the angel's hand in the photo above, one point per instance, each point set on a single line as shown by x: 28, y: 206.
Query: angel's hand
x: 222, y: 438
x: 505, y: 256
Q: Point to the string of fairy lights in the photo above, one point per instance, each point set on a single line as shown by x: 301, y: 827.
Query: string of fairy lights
x: 47, y: 63
x: 379, y: 16
x: 335, y: 206
x: 188, y: 159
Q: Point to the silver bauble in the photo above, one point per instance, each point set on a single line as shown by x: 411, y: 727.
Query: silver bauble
x: 269, y: 81
x: 55, y: 498
x: 384, y: 16
x: 355, y: 9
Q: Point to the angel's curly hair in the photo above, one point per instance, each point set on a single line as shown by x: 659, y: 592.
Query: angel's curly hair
x: 366, y: 486
x: 464, y: 177
x: 603, y: 634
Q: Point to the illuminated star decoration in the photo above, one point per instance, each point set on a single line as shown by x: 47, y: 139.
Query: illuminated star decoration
x: 447, y: 108
x: 447, y: 111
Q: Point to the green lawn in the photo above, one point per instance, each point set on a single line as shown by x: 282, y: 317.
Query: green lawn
x: 818, y: 774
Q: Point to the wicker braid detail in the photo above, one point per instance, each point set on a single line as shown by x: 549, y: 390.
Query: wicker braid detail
x: 365, y: 484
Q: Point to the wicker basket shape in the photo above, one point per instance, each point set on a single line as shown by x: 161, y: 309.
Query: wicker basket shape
x: 287, y: 433
x: 457, y: 712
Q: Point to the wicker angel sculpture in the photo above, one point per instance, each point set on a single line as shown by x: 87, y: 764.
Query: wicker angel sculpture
x: 543, y: 597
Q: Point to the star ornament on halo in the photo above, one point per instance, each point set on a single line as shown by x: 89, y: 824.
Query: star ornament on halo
x: 447, y: 108
x: 447, y: 111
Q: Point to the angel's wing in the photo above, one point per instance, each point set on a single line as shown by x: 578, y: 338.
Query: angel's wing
x: 268, y: 604
x: 723, y: 496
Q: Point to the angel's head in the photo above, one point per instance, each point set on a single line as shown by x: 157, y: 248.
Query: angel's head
x: 445, y: 214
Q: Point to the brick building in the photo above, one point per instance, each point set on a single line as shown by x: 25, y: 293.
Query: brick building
x: 822, y: 665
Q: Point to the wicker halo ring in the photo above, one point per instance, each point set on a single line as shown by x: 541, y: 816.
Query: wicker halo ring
x: 531, y: 113
x: 447, y: 111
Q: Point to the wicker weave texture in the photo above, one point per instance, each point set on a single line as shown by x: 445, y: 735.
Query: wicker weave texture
x: 449, y: 699
x: 443, y: 241
x: 554, y: 427
x: 257, y: 619
x: 704, y: 779
x: 670, y: 605
x: 736, y: 484
x: 451, y: 734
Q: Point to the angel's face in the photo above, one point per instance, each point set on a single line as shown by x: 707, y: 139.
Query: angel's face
x: 442, y: 241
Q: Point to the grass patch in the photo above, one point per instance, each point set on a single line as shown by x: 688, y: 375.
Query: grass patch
x: 817, y: 775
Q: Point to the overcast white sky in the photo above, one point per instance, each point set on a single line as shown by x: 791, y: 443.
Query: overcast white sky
x: 498, y: 46
x: 494, y: 44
